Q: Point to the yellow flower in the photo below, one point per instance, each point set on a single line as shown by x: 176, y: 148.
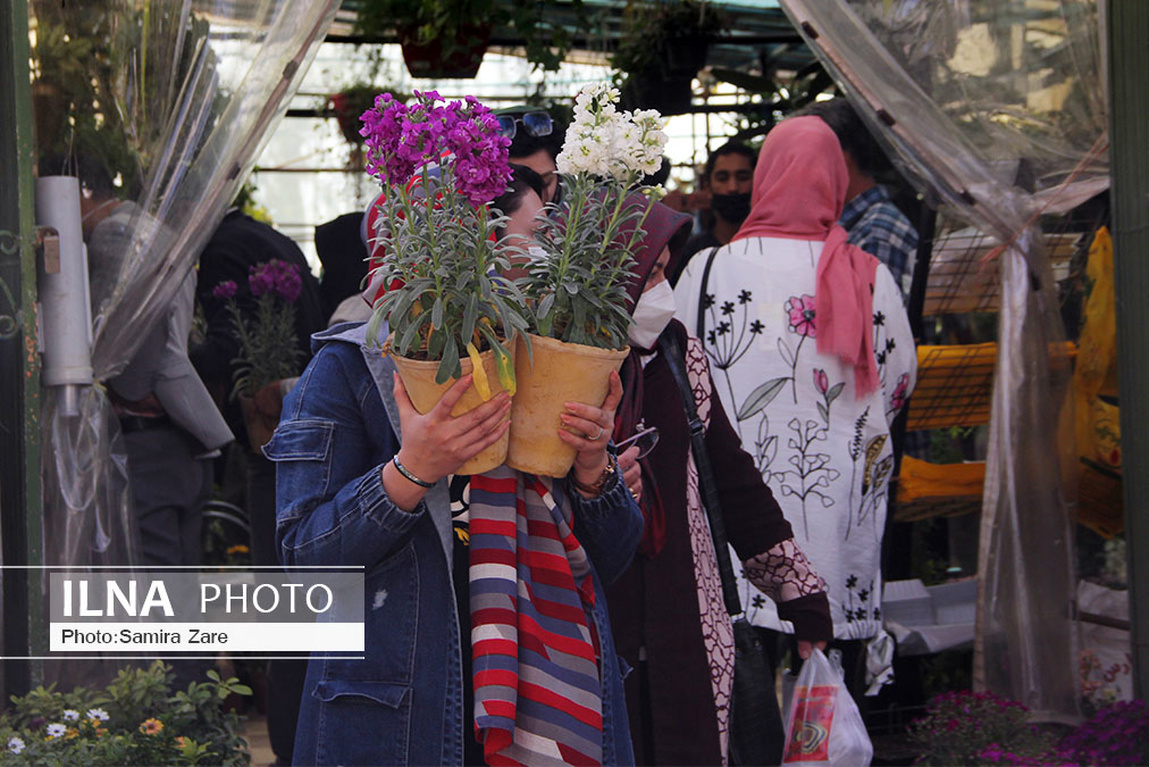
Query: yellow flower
x: 70, y: 733
x: 151, y: 726
x: 181, y: 741
x: 101, y: 732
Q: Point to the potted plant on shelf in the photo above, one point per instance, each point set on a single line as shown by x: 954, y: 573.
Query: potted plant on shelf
x: 576, y: 282
x: 665, y: 46
x: 449, y: 310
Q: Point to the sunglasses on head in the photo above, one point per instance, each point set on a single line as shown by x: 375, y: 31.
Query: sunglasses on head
x: 535, y: 124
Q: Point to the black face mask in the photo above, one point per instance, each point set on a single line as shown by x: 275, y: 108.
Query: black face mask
x: 734, y: 208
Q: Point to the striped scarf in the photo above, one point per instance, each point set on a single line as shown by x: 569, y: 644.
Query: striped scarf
x: 538, y: 697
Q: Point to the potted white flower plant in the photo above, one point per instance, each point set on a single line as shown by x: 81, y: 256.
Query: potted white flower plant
x: 449, y: 311
x: 576, y: 281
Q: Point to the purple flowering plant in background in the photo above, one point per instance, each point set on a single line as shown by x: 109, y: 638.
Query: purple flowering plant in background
x: 970, y: 728
x: 1117, y: 734
x: 441, y: 164
x: 265, y: 328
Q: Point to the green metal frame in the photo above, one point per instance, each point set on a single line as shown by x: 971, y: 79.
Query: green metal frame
x: 24, y: 628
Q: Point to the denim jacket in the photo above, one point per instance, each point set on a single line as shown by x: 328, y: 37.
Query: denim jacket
x: 401, y: 704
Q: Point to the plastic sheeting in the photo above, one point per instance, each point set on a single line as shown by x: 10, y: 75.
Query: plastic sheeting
x: 990, y: 107
x: 178, y: 97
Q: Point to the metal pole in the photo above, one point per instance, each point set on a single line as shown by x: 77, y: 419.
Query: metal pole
x: 20, y: 509
x: 1129, y: 160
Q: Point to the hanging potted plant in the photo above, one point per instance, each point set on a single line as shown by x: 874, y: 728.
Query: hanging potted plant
x: 349, y: 104
x: 576, y: 283
x: 448, y: 310
x: 440, y: 38
x: 666, y: 45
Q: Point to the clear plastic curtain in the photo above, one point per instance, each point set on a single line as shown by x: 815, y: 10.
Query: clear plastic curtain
x: 996, y: 108
x: 174, y: 98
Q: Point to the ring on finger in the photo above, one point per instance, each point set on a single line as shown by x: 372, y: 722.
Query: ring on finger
x: 597, y: 436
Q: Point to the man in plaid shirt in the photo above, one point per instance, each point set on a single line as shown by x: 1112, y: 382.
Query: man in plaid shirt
x: 873, y: 222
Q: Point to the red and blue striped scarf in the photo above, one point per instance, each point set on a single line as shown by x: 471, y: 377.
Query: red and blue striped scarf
x: 538, y: 695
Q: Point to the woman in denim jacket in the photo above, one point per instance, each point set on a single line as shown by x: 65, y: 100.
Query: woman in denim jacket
x: 342, y: 501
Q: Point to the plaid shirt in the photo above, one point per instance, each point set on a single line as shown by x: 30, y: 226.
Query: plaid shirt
x: 876, y: 226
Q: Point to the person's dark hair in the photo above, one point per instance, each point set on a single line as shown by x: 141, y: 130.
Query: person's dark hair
x: 852, y: 133
x: 730, y: 147
x: 523, y: 178
x: 524, y: 145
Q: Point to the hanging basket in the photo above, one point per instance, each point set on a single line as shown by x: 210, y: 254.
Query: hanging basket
x: 562, y: 372
x: 348, y: 106
x: 419, y: 380
x: 683, y: 56
x: 650, y: 90
x: 460, y: 59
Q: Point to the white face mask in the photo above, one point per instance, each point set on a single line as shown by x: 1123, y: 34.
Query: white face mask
x: 655, y: 309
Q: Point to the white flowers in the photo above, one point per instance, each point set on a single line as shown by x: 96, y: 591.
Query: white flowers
x: 15, y: 745
x: 99, y: 714
x: 55, y: 730
x: 71, y: 715
x: 606, y: 143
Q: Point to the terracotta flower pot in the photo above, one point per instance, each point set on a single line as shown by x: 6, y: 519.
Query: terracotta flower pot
x: 419, y: 379
x: 261, y: 412
x: 562, y: 372
x: 260, y: 425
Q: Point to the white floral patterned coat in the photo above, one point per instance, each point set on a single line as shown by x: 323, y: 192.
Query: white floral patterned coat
x: 826, y: 455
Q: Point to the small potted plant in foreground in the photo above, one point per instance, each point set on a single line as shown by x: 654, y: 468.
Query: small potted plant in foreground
x: 449, y: 310
x: 576, y: 285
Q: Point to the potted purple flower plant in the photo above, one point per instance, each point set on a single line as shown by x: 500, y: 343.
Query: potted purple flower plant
x: 449, y: 310
x: 268, y: 348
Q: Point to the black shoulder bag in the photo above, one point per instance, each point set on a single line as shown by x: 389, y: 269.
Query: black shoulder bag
x: 756, y: 730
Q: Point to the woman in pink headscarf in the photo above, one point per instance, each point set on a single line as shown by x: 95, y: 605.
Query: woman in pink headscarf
x: 813, y: 357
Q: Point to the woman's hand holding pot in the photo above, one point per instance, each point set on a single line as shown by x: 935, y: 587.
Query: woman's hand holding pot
x: 588, y: 429
x: 437, y: 443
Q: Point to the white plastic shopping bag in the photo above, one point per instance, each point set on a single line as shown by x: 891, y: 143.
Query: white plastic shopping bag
x: 823, y: 725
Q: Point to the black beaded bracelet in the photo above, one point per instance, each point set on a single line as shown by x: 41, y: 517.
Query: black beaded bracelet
x: 408, y: 475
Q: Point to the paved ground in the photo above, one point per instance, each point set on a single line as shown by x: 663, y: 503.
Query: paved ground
x: 258, y: 744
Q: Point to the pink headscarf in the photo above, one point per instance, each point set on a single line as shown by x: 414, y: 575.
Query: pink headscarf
x: 799, y: 190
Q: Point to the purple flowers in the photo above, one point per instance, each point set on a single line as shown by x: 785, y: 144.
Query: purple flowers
x: 266, y: 333
x: 979, y: 728
x: 224, y: 290
x: 1117, y: 734
x: 461, y: 135
x: 273, y: 277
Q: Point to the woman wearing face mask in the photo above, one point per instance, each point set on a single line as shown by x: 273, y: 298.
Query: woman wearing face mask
x: 667, y: 608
